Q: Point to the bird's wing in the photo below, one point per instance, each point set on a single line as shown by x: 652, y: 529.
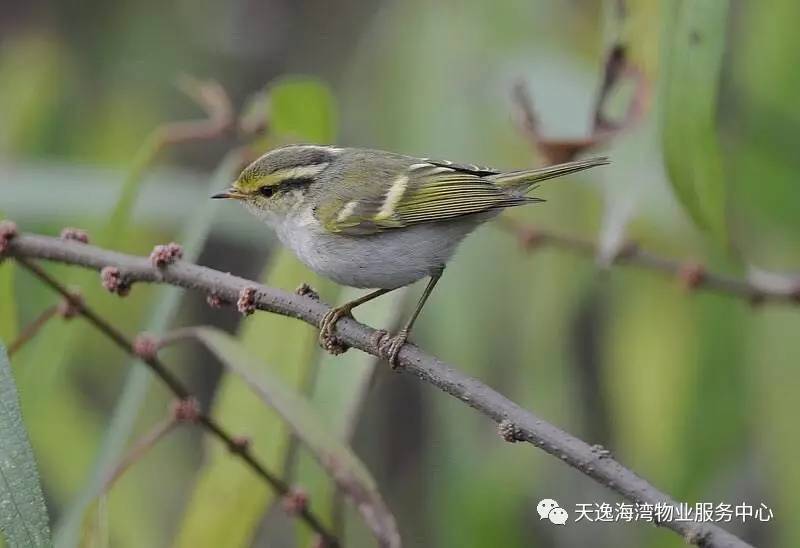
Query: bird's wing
x: 421, y: 192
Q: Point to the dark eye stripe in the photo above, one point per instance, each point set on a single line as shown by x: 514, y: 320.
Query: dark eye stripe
x: 294, y: 183
x: 287, y: 184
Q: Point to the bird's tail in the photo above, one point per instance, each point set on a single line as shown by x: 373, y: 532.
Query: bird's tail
x: 524, y: 180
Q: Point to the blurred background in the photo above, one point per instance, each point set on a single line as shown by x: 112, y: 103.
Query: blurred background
x: 695, y: 391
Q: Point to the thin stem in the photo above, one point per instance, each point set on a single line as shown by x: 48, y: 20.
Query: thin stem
x: 30, y: 330
x: 693, y: 275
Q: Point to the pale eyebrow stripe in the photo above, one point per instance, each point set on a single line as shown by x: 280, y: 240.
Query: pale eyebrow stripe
x: 347, y: 210
x: 299, y: 172
x: 393, y: 197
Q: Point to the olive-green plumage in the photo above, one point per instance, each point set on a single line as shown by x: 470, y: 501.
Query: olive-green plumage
x: 370, y: 218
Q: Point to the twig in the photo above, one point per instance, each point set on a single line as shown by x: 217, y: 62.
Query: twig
x: 691, y: 275
x: 214, y: 101
x: 554, y: 151
x: 526, y: 426
x: 30, y: 330
x: 176, y: 387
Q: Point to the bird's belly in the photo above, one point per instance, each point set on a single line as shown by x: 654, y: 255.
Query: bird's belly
x: 388, y: 260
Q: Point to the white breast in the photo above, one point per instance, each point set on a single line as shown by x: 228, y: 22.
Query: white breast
x: 388, y: 260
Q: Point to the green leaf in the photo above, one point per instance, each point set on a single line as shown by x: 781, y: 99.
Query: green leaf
x: 302, y: 108
x: 23, y: 516
x: 289, y: 348
x: 349, y: 473
x: 694, y: 45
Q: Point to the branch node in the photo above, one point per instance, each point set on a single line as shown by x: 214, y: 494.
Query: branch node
x: 75, y: 235
x: 240, y: 444
x: 509, y: 431
x: 113, y: 281
x: 692, y: 275
x: 697, y: 536
x: 246, y: 304
x: 295, y: 501
x: 600, y: 451
x: 306, y: 290
x: 214, y: 300
x: 166, y: 254
x: 186, y: 410
x: 8, y: 229
x: 145, y: 346
x: 70, y: 307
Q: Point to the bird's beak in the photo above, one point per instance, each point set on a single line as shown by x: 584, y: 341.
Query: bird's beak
x: 230, y: 194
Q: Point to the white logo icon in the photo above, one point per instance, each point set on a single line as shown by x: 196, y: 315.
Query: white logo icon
x: 549, y: 508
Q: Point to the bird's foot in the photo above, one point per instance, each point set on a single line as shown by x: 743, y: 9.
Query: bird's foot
x: 327, y: 329
x: 390, y: 346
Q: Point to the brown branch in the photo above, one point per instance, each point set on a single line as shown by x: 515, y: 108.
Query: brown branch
x: 692, y: 275
x: 173, y: 383
x: 30, y: 330
x: 212, y: 98
x: 524, y: 425
x: 617, y: 68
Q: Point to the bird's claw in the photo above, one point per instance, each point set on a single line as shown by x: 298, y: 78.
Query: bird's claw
x: 390, y: 347
x: 327, y: 328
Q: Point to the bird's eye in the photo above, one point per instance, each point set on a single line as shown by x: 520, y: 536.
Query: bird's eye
x: 266, y: 191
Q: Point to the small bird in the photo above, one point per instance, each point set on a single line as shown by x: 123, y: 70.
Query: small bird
x: 374, y: 219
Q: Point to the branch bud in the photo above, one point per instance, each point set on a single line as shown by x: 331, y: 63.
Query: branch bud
x: 113, y: 281
x: 247, y: 300
x: 295, y: 501
x: 75, y: 234
x: 508, y: 431
x: 186, y: 410
x: 145, y: 346
x: 165, y: 255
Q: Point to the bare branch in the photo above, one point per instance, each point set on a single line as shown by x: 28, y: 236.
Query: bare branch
x: 214, y: 101
x: 30, y: 330
x: 692, y: 275
x: 617, y: 69
x: 526, y: 426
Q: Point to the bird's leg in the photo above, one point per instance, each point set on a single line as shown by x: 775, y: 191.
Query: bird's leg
x: 395, y: 343
x: 327, y: 325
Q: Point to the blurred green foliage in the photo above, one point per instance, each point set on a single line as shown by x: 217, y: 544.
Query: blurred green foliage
x: 696, y: 392
x: 693, y: 63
